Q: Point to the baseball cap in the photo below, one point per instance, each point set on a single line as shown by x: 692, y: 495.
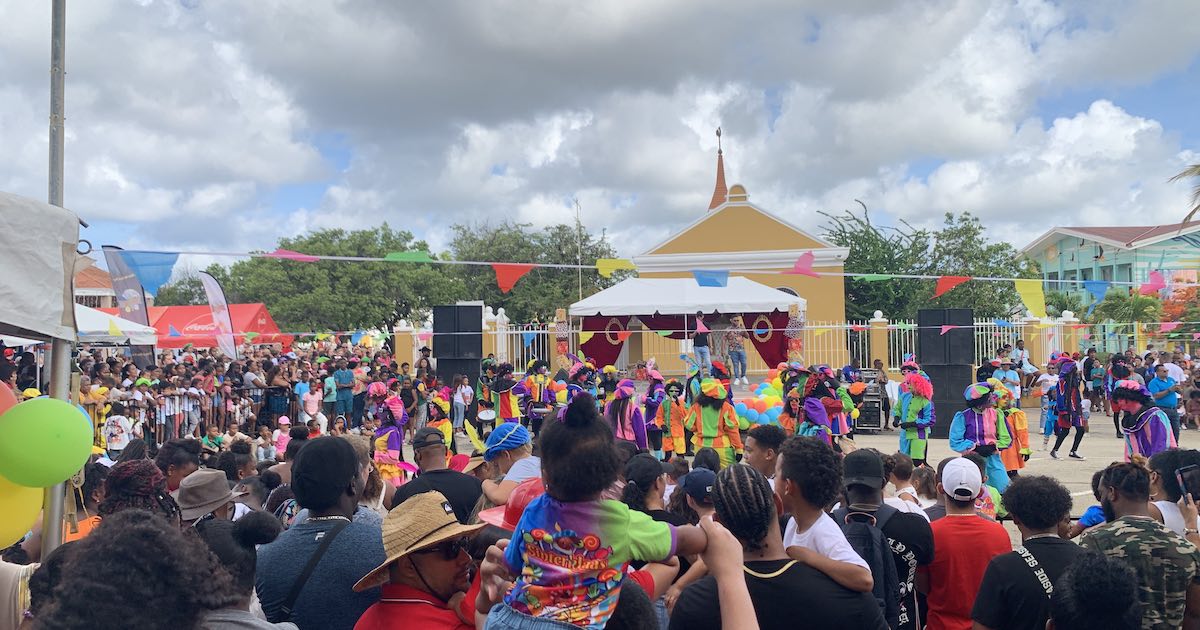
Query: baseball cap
x: 428, y: 436
x: 863, y: 467
x: 699, y: 483
x: 961, y: 479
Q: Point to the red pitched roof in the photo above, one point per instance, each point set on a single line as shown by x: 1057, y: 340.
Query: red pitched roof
x: 720, y: 192
x: 1131, y: 234
x: 93, y: 277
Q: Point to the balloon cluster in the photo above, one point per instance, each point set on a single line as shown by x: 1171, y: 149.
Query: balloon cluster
x: 560, y: 391
x: 43, y: 441
x: 767, y: 404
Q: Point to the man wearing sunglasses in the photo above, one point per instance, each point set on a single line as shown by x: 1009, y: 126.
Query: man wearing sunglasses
x: 427, y: 572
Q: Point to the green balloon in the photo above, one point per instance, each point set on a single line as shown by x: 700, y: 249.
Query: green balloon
x: 43, y: 442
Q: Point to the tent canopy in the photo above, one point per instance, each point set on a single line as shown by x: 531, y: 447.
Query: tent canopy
x: 194, y: 325
x: 37, y: 254
x: 683, y: 296
x: 99, y: 327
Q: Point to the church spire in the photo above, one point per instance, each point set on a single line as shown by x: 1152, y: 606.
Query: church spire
x: 720, y: 192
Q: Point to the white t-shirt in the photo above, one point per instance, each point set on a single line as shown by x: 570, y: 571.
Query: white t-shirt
x: 523, y: 469
x: 462, y: 395
x: 905, y: 506
x: 116, y: 432
x: 825, y: 538
x: 1175, y: 372
x: 1046, y: 382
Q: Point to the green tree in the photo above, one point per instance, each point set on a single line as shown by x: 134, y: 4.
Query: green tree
x: 1059, y: 301
x: 961, y: 248
x: 186, y: 291
x: 1128, y: 306
x: 876, y: 249
x: 1193, y: 173
x: 342, y: 295
x: 541, y: 291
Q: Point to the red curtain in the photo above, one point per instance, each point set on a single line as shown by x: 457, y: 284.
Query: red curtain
x: 610, y: 334
x: 674, y: 323
x: 767, y: 335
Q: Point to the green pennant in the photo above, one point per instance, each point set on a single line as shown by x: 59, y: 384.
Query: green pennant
x: 412, y: 256
x: 873, y: 277
x: 906, y: 326
x: 663, y: 333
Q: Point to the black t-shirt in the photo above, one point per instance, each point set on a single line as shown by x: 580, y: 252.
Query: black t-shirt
x: 786, y: 595
x: 1011, y: 595
x: 1087, y: 368
x: 700, y: 340
x: 462, y: 491
x: 911, y: 540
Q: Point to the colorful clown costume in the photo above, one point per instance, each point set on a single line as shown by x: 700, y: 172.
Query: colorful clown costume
x: 981, y: 429
x: 1147, y: 433
x: 913, y: 415
x: 714, y: 423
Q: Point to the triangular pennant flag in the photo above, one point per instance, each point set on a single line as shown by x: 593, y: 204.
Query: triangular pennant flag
x: 623, y: 336
x: 945, y: 283
x: 507, y: 274
x: 356, y: 337
x: 819, y: 331
x: 410, y: 256
x: 1032, y: 296
x: 585, y: 337
x: 288, y: 254
x: 425, y: 336
x: 250, y: 335
x: 1154, y: 283
x: 113, y: 331
x: 527, y: 338
x: 1098, y: 288
x: 1087, y: 336
x: 153, y: 269
x: 322, y: 336
x: 874, y: 277
x: 1195, y: 336
x: 173, y: 331
x: 997, y: 334
x: 858, y: 328
x: 711, y: 277
x: 700, y: 327
x: 1002, y: 323
x: 1050, y: 335
x: 804, y: 266
x: 947, y: 328
x: 906, y: 326
x: 663, y: 333
x: 1168, y: 326
x: 606, y: 266
x: 1078, y: 326
x: 384, y: 335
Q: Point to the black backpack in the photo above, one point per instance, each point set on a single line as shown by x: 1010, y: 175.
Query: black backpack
x: 864, y: 532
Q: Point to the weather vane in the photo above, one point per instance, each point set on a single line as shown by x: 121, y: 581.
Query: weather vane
x: 718, y: 139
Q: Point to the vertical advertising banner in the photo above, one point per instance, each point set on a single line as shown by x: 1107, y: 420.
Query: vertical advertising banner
x: 220, y: 315
x: 131, y: 300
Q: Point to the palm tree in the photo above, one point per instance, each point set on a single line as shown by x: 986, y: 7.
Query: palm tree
x: 1127, y: 307
x: 1059, y: 301
x: 1192, y: 172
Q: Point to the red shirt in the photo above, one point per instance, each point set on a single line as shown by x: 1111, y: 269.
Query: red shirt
x: 962, y: 548
x: 405, y: 608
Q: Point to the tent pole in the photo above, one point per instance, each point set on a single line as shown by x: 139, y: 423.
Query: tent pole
x: 60, y: 350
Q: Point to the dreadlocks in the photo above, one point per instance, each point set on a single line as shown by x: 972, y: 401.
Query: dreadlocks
x: 745, y: 504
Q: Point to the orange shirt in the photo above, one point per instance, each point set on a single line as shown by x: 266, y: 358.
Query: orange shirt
x: 85, y: 527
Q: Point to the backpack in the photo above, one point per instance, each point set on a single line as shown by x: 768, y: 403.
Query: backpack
x: 864, y: 532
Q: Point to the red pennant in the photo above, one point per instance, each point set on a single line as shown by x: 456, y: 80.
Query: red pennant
x: 507, y: 274
x: 858, y: 328
x: 804, y: 266
x: 288, y: 254
x: 1168, y: 326
x: 1078, y: 326
x: 945, y: 283
x: 623, y: 335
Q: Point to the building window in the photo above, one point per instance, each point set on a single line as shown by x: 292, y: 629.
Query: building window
x: 91, y: 301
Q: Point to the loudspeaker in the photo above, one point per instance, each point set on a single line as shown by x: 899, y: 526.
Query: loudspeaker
x: 956, y: 347
x: 447, y: 368
x: 457, y: 332
x: 949, y: 383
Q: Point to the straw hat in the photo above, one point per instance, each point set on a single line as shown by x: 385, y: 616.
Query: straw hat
x: 424, y: 520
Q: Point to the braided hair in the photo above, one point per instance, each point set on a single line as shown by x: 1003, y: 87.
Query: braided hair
x: 1130, y: 480
x: 137, y: 484
x: 745, y: 504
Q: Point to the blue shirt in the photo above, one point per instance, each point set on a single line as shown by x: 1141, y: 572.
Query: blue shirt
x: 1092, y: 516
x: 851, y: 374
x: 344, y: 377
x: 1156, y: 385
x: 301, y: 389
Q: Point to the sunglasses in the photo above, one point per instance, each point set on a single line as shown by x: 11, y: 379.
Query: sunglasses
x: 449, y: 549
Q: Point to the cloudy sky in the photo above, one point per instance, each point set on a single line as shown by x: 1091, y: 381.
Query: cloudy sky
x: 220, y: 125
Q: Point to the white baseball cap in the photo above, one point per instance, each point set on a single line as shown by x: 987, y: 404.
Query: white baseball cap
x: 961, y: 479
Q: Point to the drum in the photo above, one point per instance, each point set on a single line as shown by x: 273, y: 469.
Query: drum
x: 541, y: 410
x: 486, y: 415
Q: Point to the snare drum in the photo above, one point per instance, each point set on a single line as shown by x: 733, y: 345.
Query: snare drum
x: 486, y: 415
x: 540, y: 410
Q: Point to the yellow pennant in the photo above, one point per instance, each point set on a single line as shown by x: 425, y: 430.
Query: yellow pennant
x: 817, y: 332
x: 585, y: 337
x: 113, y: 331
x: 606, y: 266
x: 1032, y: 296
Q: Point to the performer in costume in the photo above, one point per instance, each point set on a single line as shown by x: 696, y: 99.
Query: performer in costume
x: 714, y: 423
x: 670, y: 418
x: 793, y: 413
x: 793, y: 376
x: 1068, y: 407
x: 1015, y: 456
x: 504, y: 399
x: 721, y: 374
x: 624, y: 416
x: 816, y: 422
x: 389, y: 441
x: 439, y: 418
x: 483, y: 387
x: 913, y: 415
x: 537, y: 400
x: 982, y: 430
x: 579, y: 379
x: 1146, y: 428
x: 656, y: 394
x: 607, y: 389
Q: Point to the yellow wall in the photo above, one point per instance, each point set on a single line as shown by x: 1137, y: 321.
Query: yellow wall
x: 737, y: 229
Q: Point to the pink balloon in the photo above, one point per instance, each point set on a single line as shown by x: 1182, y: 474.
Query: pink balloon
x: 7, y: 398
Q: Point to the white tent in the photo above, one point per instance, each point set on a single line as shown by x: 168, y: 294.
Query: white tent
x: 683, y: 296
x: 99, y: 327
x: 37, y: 256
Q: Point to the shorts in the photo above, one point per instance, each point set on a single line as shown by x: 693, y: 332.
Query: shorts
x: 503, y: 617
x: 343, y: 404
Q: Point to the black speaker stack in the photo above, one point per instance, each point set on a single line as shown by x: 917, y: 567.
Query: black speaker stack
x: 948, y: 359
x: 457, y: 341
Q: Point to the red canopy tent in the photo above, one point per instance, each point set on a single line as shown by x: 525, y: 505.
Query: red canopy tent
x: 194, y: 325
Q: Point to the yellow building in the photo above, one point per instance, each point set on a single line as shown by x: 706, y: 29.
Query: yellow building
x: 737, y: 235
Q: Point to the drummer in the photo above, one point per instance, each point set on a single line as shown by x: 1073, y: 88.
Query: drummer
x: 537, y: 400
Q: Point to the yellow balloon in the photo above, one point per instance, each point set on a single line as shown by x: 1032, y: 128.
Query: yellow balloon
x: 777, y: 384
x: 855, y: 413
x: 20, y: 506
x: 561, y: 396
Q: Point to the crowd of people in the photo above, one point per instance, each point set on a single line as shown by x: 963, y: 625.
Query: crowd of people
x: 584, y: 499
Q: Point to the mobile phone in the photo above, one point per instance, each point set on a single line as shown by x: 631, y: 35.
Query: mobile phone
x: 1189, y: 480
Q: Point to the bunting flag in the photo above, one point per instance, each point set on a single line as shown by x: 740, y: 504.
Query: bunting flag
x: 858, y: 328
x: 947, y: 328
x: 906, y: 326
x: 425, y: 336
x: 1168, y: 327
x: 700, y: 327
x: 153, y: 269
x: 817, y: 332
x: 507, y: 274
x: 287, y: 254
x: 250, y: 335
x: 1078, y: 326
x: 322, y: 336
x: 945, y: 283
x: 409, y: 256
x: 1032, y: 296
x: 874, y: 277
x: 1087, y: 336
x: 528, y: 337
x: 384, y: 335
x: 1098, y: 289
x: 663, y: 333
x: 623, y: 336
x: 113, y: 331
x: 711, y: 277
x: 804, y: 266
x: 1154, y: 283
x: 1002, y: 323
x: 606, y: 266
x: 585, y: 336
x: 997, y: 334
x: 173, y: 331
x: 1196, y: 336
x: 356, y: 337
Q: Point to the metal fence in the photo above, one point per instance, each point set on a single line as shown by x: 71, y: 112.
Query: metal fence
x: 902, y: 341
